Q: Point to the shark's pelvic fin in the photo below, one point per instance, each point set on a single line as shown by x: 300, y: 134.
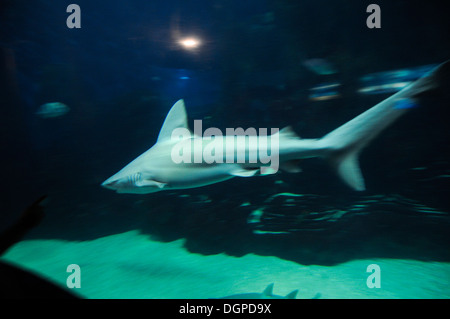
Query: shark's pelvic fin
x: 243, y: 172
x: 176, y: 118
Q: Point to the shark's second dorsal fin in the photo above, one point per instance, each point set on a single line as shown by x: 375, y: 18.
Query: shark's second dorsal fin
x: 269, y: 290
x: 176, y: 118
x: 287, y: 132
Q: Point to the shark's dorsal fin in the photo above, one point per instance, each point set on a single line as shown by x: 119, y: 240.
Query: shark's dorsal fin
x: 176, y: 118
x: 269, y: 290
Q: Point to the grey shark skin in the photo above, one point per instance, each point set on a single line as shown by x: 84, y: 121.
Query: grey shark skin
x: 155, y: 170
x: 266, y: 294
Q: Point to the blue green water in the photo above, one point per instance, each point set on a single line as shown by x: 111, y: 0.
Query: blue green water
x: 129, y: 265
x: 78, y: 104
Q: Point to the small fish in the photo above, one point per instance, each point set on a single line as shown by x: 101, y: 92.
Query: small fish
x: 51, y: 110
x: 320, y: 66
x: 255, y: 216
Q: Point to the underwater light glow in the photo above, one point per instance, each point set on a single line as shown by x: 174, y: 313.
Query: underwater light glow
x: 189, y: 43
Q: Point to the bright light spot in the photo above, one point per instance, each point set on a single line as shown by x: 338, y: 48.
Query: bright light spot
x: 190, y: 43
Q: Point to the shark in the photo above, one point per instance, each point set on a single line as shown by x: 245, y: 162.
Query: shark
x: 158, y: 170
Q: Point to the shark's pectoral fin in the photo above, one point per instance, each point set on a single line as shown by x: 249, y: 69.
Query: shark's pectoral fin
x: 147, y: 183
x: 243, y: 172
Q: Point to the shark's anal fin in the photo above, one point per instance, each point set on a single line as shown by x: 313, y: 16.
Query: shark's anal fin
x: 291, y: 166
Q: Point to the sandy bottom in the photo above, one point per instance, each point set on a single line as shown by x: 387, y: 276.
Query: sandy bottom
x: 130, y: 265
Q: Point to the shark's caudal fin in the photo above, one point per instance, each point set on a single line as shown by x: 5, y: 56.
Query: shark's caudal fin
x: 346, y: 142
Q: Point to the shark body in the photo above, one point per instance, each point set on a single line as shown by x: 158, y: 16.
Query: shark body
x: 155, y: 170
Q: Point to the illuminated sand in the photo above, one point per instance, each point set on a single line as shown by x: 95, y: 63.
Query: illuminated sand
x: 130, y: 265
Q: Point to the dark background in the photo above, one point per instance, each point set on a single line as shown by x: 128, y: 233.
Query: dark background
x: 121, y: 72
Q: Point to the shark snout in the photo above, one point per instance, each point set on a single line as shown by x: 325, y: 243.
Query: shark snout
x: 110, y: 184
x: 122, y: 183
x: 113, y: 184
x: 116, y: 183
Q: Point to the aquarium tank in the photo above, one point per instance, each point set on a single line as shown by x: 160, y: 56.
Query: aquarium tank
x: 209, y: 149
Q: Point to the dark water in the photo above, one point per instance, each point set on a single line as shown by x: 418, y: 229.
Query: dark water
x: 123, y: 69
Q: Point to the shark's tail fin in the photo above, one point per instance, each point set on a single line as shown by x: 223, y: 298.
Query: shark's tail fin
x: 346, y: 142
